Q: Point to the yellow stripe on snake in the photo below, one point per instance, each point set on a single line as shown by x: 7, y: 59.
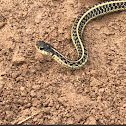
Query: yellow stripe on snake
x: 76, y: 33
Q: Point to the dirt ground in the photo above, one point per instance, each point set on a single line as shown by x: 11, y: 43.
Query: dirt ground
x: 35, y: 89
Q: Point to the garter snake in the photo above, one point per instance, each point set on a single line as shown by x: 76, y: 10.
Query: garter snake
x: 76, y: 33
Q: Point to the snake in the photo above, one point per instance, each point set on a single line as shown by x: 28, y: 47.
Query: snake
x: 77, y: 33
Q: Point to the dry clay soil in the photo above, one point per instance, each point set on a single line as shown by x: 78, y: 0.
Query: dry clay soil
x: 35, y: 89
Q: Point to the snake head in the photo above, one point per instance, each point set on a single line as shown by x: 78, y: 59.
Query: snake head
x: 44, y: 48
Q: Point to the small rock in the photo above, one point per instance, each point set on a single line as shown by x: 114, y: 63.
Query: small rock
x: 69, y: 121
x: 28, y: 105
x: 67, y: 35
x: 38, y: 17
x: 94, y: 81
x: 23, y: 91
x: 106, y: 31
x: 20, y: 79
x: 1, y: 122
x: 39, y: 56
x: 90, y: 121
x: 29, y: 31
x: 33, y: 93
x: 36, y: 87
x: 18, y: 59
x: 101, y: 90
x: 22, y: 88
x: 9, y: 114
x: 25, y: 112
x: 1, y: 85
x: 124, y: 106
x: 60, y: 29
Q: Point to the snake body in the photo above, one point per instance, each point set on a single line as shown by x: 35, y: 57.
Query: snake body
x: 76, y: 33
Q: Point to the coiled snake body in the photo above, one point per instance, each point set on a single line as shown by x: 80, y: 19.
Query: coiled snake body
x: 76, y: 33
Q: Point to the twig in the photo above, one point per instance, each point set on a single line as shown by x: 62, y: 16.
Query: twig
x: 19, y: 123
x: 2, y: 24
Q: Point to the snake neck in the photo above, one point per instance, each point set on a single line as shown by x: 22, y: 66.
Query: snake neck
x: 74, y: 64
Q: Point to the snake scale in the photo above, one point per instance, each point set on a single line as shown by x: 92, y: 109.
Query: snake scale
x: 76, y: 33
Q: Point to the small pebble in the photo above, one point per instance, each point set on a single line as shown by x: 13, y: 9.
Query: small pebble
x: 90, y: 121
